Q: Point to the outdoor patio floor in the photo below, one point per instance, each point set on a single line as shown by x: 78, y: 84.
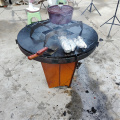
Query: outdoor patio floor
x: 95, y: 89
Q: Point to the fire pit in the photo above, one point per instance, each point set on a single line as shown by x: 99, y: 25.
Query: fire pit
x: 60, y: 66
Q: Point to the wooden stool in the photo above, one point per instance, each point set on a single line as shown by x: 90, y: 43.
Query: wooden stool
x: 61, y: 2
x: 33, y: 12
x: 59, y: 74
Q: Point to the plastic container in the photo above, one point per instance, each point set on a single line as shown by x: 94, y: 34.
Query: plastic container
x: 60, y: 14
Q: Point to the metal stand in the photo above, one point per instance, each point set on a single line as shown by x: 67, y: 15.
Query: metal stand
x: 42, y: 3
x: 113, y: 20
x: 91, y: 4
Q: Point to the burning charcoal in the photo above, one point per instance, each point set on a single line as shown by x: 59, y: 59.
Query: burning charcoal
x: 65, y: 44
x: 80, y: 43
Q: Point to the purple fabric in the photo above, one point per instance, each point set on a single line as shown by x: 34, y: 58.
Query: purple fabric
x: 31, y: 1
x: 61, y: 15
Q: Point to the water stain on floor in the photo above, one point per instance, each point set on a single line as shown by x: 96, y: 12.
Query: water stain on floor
x: 74, y: 106
x: 7, y: 73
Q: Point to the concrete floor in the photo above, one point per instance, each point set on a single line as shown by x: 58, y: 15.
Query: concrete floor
x: 95, y: 91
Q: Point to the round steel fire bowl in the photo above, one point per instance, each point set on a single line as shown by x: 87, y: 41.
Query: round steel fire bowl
x: 32, y: 38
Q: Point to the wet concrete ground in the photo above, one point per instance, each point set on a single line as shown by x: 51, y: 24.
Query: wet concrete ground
x: 95, y: 89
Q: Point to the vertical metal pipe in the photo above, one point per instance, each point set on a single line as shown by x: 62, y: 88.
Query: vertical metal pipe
x: 113, y: 18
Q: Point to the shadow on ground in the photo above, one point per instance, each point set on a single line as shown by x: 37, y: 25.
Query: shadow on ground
x: 88, y: 102
x: 75, y: 106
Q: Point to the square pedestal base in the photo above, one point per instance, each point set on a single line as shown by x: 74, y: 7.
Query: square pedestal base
x: 59, y: 74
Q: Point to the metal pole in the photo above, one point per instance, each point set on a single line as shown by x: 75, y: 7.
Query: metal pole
x: 117, y: 8
x: 106, y: 21
x: 91, y: 7
x: 91, y: 4
x: 114, y: 18
x: 96, y: 9
x: 86, y: 9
